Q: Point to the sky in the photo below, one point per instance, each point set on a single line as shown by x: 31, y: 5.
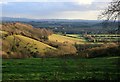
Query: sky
x: 53, y: 9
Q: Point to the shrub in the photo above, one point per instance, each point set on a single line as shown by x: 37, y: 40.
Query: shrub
x: 68, y: 49
x: 102, y: 52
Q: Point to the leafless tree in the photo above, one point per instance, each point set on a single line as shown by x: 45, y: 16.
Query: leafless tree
x: 112, y: 12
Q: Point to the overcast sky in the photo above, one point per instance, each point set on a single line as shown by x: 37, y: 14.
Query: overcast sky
x: 53, y: 9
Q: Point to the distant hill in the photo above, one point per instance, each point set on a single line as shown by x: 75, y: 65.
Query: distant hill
x: 39, y: 20
x: 10, y: 19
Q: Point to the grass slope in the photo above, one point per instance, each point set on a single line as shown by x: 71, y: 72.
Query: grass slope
x: 3, y: 32
x: 74, y: 35
x: 61, y: 39
x: 61, y: 69
x: 41, y: 47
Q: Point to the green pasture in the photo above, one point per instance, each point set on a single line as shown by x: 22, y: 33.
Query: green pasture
x: 64, y: 68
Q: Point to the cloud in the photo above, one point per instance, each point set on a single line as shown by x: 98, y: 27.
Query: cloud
x: 52, y: 9
x: 84, y: 1
x: 3, y: 3
x: 78, y: 1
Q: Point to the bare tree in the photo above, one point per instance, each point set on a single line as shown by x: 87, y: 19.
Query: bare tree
x: 112, y: 12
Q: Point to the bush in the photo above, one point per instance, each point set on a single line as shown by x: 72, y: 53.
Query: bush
x: 102, y: 52
x: 4, y: 55
x: 68, y: 49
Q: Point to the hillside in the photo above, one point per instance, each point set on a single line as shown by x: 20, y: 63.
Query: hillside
x: 25, y: 30
x: 22, y: 45
x: 23, y: 41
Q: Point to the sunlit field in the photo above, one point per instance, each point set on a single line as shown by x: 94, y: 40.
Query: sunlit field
x: 62, y: 39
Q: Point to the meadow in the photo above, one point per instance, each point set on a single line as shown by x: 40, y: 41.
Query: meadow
x: 62, y: 68
x: 96, y: 38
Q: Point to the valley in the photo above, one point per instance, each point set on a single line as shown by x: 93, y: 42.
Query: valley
x: 60, y: 40
x: 42, y: 54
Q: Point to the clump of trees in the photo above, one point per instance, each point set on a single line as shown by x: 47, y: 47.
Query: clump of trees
x: 97, y: 50
x: 103, y: 52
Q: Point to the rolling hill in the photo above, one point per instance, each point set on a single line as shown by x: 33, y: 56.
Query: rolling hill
x: 26, y: 40
x: 23, y: 41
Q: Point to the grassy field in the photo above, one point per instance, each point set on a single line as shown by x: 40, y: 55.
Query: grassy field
x: 98, y: 38
x: 61, y: 39
x: 106, y: 37
x: 74, y: 35
x: 61, y: 68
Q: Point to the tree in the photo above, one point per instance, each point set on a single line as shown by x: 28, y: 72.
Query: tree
x: 112, y: 12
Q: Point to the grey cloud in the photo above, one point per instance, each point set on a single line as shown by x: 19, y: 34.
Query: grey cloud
x: 48, y: 8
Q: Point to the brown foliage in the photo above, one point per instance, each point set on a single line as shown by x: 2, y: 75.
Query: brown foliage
x: 4, y: 55
x: 61, y: 51
x: 103, y: 51
x: 26, y: 30
x: 68, y: 49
